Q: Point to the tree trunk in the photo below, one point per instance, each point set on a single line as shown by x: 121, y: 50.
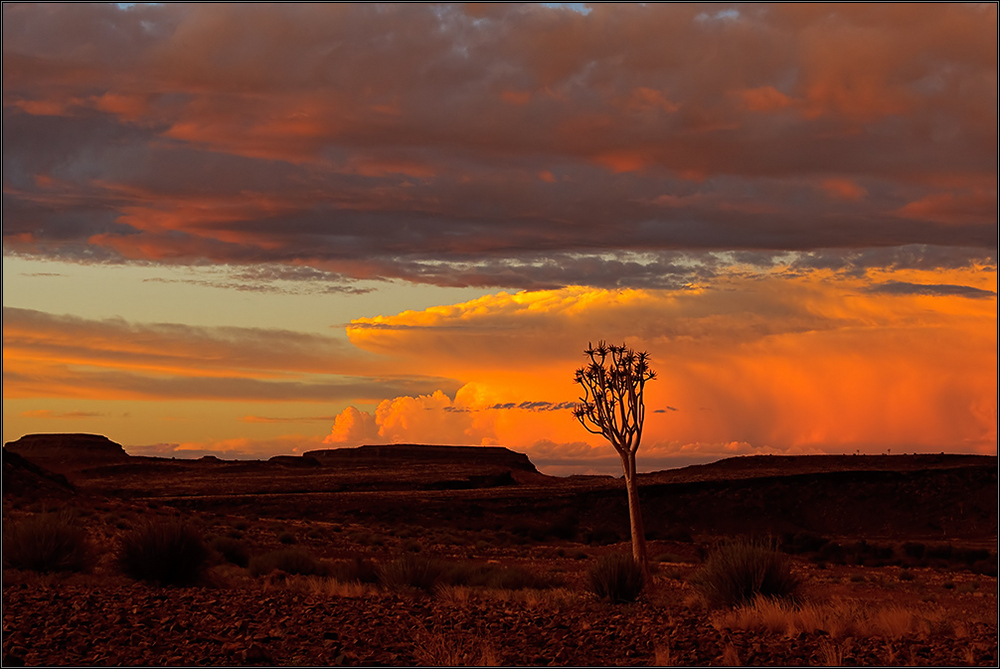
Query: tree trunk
x: 635, y: 517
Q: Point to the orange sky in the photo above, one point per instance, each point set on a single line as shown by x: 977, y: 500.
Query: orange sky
x: 259, y: 229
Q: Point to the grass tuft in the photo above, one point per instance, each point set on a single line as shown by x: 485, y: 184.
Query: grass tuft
x: 166, y: 552
x: 616, y: 577
x: 411, y: 571
x: 452, y: 650
x: 358, y: 570
x: 496, y: 577
x: 232, y: 550
x: 737, y: 573
x: 289, y: 560
x: 46, y: 542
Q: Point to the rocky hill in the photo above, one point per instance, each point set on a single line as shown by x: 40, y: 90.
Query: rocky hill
x: 420, y: 453
x: 63, y: 453
x: 23, y: 478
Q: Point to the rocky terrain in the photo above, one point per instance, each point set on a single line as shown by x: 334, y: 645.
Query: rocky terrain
x: 897, y: 556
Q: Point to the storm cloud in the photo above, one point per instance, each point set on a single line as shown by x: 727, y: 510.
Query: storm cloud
x: 516, y: 146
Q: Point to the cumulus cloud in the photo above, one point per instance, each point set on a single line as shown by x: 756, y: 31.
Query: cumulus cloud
x: 353, y: 427
x: 435, y: 418
x: 791, y: 364
x: 520, y: 146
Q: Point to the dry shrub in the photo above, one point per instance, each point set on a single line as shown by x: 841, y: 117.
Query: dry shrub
x: 411, y: 571
x: 494, y: 576
x: 329, y: 587
x: 454, y: 594
x: 46, y: 542
x: 288, y: 560
x: 730, y: 658
x: 832, y: 654
x: 892, y: 622
x: 555, y: 598
x: 616, y: 577
x: 781, y: 617
x: 167, y: 552
x: 359, y: 570
x: 838, y: 618
x: 739, y: 572
x: 232, y: 550
x: 444, y: 650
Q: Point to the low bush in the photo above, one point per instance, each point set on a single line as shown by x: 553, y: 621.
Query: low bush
x: 914, y: 549
x: 411, y: 571
x: 939, y: 552
x: 602, y: 536
x: 46, y: 542
x: 803, y: 542
x: 971, y: 556
x: 678, y: 534
x: 287, y: 538
x: 494, y: 576
x: 985, y: 567
x: 166, y: 552
x: 737, y: 573
x: 832, y: 552
x: 357, y: 570
x: 669, y: 557
x: 232, y: 550
x: 288, y: 560
x: 617, y: 577
x: 564, y: 526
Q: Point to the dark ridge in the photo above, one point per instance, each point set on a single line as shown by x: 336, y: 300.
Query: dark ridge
x: 753, y: 466
x: 387, y: 453
x: 294, y: 461
x: 847, y: 462
x: 23, y: 478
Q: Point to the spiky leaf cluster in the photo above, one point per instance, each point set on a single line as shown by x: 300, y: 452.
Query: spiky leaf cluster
x: 612, y: 405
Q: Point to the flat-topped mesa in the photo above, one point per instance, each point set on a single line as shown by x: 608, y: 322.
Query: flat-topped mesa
x: 68, y: 452
x: 385, y: 453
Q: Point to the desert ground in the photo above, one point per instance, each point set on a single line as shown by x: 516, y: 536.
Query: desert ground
x: 432, y: 555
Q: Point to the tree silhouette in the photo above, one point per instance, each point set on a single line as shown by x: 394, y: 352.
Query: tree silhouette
x: 612, y: 407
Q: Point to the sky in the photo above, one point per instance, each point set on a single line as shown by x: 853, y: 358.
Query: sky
x: 251, y: 230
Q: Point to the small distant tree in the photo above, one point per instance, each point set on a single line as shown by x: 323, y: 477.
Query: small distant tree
x: 612, y: 407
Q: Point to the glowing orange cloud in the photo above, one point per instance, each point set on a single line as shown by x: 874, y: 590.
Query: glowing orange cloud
x: 811, y: 364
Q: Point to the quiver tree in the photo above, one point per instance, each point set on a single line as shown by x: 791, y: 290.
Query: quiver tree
x: 612, y: 407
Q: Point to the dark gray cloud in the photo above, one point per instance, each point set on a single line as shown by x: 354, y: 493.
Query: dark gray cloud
x: 936, y: 290
x: 527, y: 405
x: 515, y: 146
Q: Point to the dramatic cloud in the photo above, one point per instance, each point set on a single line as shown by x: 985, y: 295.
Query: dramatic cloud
x: 792, y: 207
x: 512, y: 145
x: 756, y: 364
